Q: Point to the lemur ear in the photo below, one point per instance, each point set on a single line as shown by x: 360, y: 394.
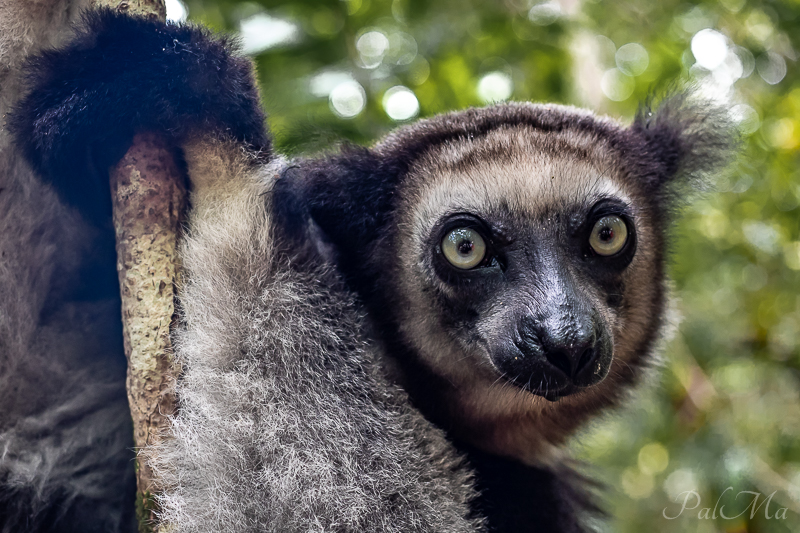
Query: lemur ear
x: 121, y: 75
x: 680, y: 141
x: 348, y: 195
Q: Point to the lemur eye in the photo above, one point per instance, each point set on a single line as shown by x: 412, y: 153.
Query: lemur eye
x: 464, y: 248
x: 609, y: 235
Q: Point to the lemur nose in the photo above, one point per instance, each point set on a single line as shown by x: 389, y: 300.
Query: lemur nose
x: 579, y: 348
x: 572, y: 358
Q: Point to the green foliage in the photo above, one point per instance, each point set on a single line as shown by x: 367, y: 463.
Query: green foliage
x: 725, y: 409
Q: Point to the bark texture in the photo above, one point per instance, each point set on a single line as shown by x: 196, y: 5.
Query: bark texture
x: 151, y: 8
x: 149, y: 198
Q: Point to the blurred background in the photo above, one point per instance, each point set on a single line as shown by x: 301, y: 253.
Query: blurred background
x: 723, y: 416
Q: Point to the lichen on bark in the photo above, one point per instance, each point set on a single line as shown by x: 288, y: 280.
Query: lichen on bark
x: 150, y: 8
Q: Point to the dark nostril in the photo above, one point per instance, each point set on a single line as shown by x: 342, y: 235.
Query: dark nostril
x: 564, y: 361
x: 586, y: 359
x: 561, y: 361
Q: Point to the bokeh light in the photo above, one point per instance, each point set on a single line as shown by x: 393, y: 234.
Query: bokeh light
x: 771, y: 67
x: 400, y: 103
x: 176, y: 11
x: 545, y: 13
x: 710, y: 48
x: 746, y: 117
x: 632, y: 59
x: 348, y: 99
x: 322, y: 83
x: 261, y: 32
x: 617, y: 85
x: 495, y: 87
x: 371, y: 46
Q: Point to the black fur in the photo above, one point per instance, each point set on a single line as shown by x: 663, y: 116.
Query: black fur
x: 123, y: 75
x: 65, y: 513
x: 524, y: 498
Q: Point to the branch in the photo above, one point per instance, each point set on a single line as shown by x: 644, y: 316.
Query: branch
x: 149, y: 199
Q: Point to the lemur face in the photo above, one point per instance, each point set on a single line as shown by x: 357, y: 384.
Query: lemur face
x: 521, y: 247
x: 528, y: 268
x: 537, y: 289
x: 511, y: 258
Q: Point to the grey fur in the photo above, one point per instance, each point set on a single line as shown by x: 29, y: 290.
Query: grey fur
x: 65, y: 430
x: 287, y: 420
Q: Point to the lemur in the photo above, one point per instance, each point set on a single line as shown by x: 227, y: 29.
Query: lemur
x: 390, y: 338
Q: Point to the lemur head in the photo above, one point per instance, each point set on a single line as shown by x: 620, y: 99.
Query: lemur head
x: 513, y: 256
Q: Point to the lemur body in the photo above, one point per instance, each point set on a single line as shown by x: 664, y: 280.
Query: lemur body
x: 65, y: 432
x: 395, y: 338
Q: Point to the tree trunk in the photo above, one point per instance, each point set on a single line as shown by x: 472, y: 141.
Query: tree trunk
x: 149, y: 199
